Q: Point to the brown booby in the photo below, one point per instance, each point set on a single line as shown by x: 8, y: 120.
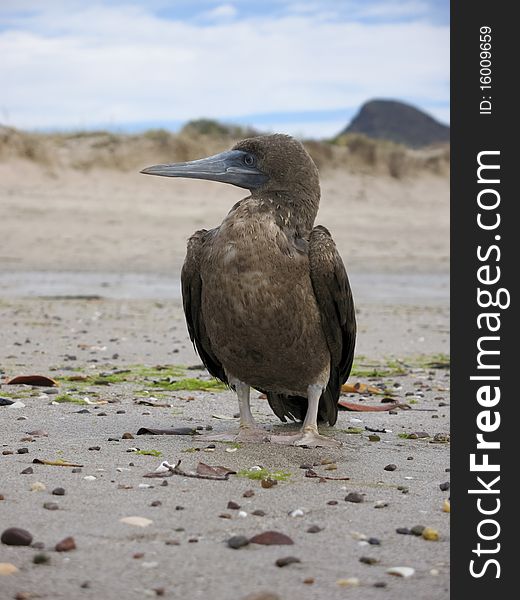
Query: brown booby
x: 266, y: 296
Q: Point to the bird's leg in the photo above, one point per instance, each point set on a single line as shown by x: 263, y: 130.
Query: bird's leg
x: 249, y: 430
x: 308, y: 435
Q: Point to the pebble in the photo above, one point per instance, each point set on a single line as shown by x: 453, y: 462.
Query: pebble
x: 66, y: 545
x: 446, y: 506
x: 77, y: 470
x: 231, y: 449
x: 390, y: 467
x: 127, y: 436
x: 41, y: 558
x: 403, y: 531
x: 224, y: 516
x: 401, y: 571
x: 37, y: 486
x: 445, y: 486
x: 51, y: 505
x: 156, y: 503
x: 374, y: 541
x: 233, y: 505
x: 271, y: 538
x: 6, y: 452
x: 268, y: 483
x: 355, y: 497
x: 248, y: 494
x: 380, y: 504
x: 95, y: 448
x: 380, y: 584
x: 348, y: 582
x: 237, y: 541
x: 332, y: 502
x: 368, y: 560
x: 314, y: 529
x: 90, y: 478
x: 22, y: 451
x: 298, y: 512
x: 258, y: 513
x: 15, y: 536
x: 136, y: 521
x: 7, y: 568
x: 308, y: 580
x: 430, y: 534
x: 262, y: 596
x: 59, y: 491
x: 374, y: 438
x: 417, y: 529
x: 28, y: 471
x: 287, y: 560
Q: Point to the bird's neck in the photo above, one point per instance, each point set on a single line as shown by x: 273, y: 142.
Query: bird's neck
x: 296, y: 212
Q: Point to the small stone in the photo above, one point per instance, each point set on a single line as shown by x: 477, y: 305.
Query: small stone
x: 237, y: 541
x: 37, y: 486
x: 403, y: 531
x: 355, y: 497
x: 233, y: 505
x: 136, y: 521
x: 160, y: 591
x: 258, y: 513
x: 66, y: 545
x: 374, y: 438
x: 138, y: 555
x: 38, y: 545
x: 224, y: 516
x: 7, y: 452
x: 156, y: 503
x: 164, y: 483
x: 22, y: 451
x: 308, y: 580
x: 374, y: 541
x: 41, y: 559
x: 268, y: 483
x: 314, y: 529
x: 332, y: 502
x: 127, y: 436
x: 430, y: 534
x: 331, y: 467
x: 51, y: 505
x: 28, y: 471
x: 95, y: 448
x: 446, y: 506
x: 248, y: 494
x: 271, y: 538
x: 380, y: 584
x: 390, y: 467
x: 445, y: 486
x: 242, y: 514
x: 172, y: 543
x: 287, y: 560
x: 401, y: 571
x: 368, y: 560
x: 7, y: 568
x: 90, y: 478
x: 306, y: 466
x: 298, y: 512
x: 193, y: 541
x: 326, y: 461
x: 59, y: 491
x: 15, y: 536
x: 77, y: 470
x: 348, y: 582
x: 380, y: 504
x: 417, y: 530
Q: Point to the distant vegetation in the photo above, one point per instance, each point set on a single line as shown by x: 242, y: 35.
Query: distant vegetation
x: 101, y: 149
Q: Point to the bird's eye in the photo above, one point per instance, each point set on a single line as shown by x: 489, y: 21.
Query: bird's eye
x: 249, y: 160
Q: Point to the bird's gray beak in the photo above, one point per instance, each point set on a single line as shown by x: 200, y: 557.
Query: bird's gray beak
x: 227, y: 167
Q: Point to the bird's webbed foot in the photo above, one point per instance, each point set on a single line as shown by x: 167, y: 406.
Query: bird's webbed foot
x: 308, y: 437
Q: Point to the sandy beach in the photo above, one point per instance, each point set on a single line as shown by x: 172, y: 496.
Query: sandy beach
x: 89, y: 272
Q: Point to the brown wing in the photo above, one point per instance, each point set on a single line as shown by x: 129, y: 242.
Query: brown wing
x: 338, y: 318
x: 192, y: 301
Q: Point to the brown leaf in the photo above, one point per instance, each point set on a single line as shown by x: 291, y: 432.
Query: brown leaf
x: 39, y: 380
x: 271, y: 538
x: 204, y: 469
x: 173, y: 431
x: 354, y: 406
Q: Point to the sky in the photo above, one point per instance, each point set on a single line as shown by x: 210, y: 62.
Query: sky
x: 298, y: 67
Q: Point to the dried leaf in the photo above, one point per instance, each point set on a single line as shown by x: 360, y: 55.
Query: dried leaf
x: 271, y: 538
x: 55, y: 463
x: 175, y: 470
x: 204, y: 469
x: 356, y: 407
x: 38, y: 380
x: 311, y: 473
x: 173, y: 431
x: 361, y: 388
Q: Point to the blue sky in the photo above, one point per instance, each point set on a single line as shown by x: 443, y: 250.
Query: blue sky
x: 301, y: 67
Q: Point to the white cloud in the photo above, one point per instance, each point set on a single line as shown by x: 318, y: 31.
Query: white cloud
x: 224, y: 11
x: 99, y: 63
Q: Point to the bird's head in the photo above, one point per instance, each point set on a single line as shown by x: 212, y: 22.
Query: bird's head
x: 267, y: 163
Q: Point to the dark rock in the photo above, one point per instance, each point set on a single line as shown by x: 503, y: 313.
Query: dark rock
x: 248, y: 494
x: 355, y: 497
x: 443, y: 486
x: 41, y: 559
x: 271, y: 538
x: 65, y: 545
x: 390, y: 467
x: 51, y: 505
x: 233, y: 505
x: 237, y: 541
x: 22, y: 451
x: 14, y: 536
x: 403, y: 531
x: 374, y: 541
x: 286, y: 560
x: 59, y: 491
x: 314, y: 529
x: 258, y: 513
x: 28, y: 471
x: 368, y: 560
x: 417, y: 530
